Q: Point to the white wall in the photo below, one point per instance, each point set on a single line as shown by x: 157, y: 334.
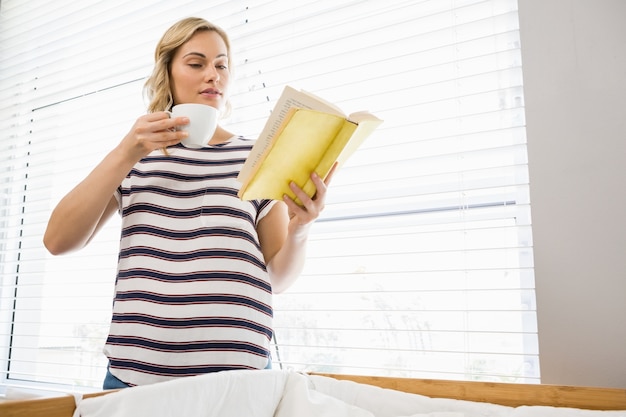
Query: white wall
x: 574, y: 57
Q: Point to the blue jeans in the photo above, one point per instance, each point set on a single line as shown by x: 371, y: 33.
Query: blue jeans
x: 112, y: 382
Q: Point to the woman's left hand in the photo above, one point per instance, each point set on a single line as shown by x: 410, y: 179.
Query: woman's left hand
x: 305, y: 214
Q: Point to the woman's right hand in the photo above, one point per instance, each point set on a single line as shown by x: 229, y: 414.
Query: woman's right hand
x: 153, y: 131
x: 84, y: 210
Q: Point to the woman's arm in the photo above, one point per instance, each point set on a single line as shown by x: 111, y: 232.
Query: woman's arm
x: 284, y: 232
x: 85, y: 209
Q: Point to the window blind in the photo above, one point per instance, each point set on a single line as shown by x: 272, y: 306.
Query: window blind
x: 421, y: 265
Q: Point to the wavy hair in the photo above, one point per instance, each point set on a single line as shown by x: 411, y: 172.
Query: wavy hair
x: 157, y: 87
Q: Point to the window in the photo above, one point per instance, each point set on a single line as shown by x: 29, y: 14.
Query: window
x: 421, y: 264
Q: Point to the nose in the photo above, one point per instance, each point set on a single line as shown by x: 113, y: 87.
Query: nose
x: 211, y: 74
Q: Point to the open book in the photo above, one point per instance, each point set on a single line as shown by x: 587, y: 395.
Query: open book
x: 304, y: 134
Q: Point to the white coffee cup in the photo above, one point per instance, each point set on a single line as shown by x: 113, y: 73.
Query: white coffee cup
x: 202, y: 123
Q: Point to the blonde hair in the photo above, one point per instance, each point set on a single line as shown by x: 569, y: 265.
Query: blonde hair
x: 157, y: 88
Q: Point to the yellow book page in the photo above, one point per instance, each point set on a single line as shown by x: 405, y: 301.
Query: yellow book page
x: 293, y: 156
x: 288, y: 100
x: 362, y: 131
x: 343, y: 139
x: 348, y: 140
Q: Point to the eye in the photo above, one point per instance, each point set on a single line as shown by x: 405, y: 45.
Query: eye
x: 221, y: 64
x: 194, y: 65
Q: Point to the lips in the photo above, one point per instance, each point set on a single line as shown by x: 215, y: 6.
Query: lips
x: 211, y: 91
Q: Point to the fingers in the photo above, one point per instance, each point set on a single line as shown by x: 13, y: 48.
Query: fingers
x: 157, y: 130
x: 162, y: 121
x: 311, y: 207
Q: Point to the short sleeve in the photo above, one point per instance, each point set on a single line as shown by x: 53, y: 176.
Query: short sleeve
x: 264, y: 207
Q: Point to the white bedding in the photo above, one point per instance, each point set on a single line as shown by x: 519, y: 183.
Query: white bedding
x: 271, y: 393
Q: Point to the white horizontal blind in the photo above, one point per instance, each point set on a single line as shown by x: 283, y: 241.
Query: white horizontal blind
x: 421, y: 264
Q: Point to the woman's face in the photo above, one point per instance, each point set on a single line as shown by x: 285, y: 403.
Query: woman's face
x: 199, y: 71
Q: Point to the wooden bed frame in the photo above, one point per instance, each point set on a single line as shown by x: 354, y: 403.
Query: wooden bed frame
x: 512, y: 395
x: 496, y: 393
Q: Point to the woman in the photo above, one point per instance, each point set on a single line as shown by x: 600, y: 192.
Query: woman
x: 197, y: 265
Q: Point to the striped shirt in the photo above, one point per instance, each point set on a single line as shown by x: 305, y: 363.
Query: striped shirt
x: 192, y: 293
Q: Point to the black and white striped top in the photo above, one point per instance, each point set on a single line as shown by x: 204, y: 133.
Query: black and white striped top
x: 192, y: 294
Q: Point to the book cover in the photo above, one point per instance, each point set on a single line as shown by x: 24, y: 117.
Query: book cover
x: 304, y: 134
